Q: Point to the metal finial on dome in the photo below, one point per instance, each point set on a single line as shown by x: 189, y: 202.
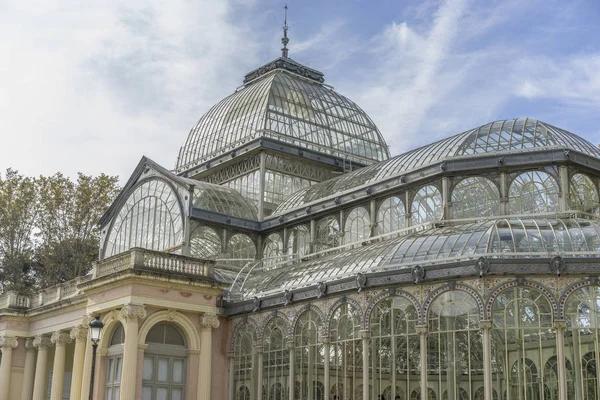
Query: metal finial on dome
x: 284, y: 39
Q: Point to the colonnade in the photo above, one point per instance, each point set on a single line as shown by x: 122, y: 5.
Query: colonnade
x: 36, y: 366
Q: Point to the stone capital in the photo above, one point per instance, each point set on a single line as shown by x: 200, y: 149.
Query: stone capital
x: 421, y: 329
x: 79, y: 333
x: 560, y: 324
x: 42, y: 342
x: 209, y: 321
x: 60, y: 338
x: 102, y: 352
x: 485, y: 325
x: 290, y: 344
x: 258, y: 349
x: 132, y: 312
x: 325, y: 340
x: 364, y: 334
x: 8, y: 342
x: 29, y: 344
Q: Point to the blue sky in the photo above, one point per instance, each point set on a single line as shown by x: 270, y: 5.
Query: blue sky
x: 92, y: 86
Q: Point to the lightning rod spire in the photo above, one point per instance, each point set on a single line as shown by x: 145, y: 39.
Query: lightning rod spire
x: 284, y: 39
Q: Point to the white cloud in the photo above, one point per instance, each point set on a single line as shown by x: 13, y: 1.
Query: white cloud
x: 91, y: 87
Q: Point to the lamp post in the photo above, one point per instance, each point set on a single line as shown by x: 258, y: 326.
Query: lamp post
x: 95, y: 329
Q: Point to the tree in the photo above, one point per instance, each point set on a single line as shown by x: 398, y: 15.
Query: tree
x: 68, y: 213
x: 18, y: 219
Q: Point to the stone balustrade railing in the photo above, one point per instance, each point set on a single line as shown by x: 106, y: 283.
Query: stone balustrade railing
x: 134, y: 259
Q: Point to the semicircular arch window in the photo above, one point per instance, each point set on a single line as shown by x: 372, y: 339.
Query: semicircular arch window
x: 273, y: 251
x: 357, y: 226
x: 533, y: 192
x: 298, y: 243
x: 241, y: 246
x: 346, y: 355
x: 243, y: 358
x: 328, y: 233
x: 427, y: 205
x: 276, y: 360
x: 150, y: 218
x: 584, y: 194
x: 390, y: 215
x: 309, y: 355
x: 114, y: 363
x: 475, y: 197
x: 205, y: 243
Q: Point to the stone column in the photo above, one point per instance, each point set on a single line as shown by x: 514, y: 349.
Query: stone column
x: 290, y: 346
x: 486, y: 328
x: 259, y: 372
x: 7, y: 344
x: 208, y: 323
x: 560, y: 326
x: 79, y: 334
x: 60, y: 339
x: 87, y: 371
x: 364, y: 335
x: 231, y: 382
x: 422, y: 331
x: 131, y: 314
x: 41, y: 343
x: 326, y: 350
x: 29, y: 370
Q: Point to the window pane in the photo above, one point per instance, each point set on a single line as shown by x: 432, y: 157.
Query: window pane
x: 163, y: 369
x: 118, y: 364
x: 146, y: 393
x: 162, y: 393
x: 176, y: 394
x: 110, y: 368
x: 178, y: 371
x: 148, y: 369
x: 117, y: 393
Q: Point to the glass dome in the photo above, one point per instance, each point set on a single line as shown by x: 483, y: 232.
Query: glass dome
x: 288, y: 102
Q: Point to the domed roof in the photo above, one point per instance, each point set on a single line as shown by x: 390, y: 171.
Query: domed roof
x: 289, y: 102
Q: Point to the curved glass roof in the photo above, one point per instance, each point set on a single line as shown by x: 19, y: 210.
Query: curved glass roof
x: 221, y: 199
x: 501, y: 238
x: 506, y: 135
x: 290, y: 108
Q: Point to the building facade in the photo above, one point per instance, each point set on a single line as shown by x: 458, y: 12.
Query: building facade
x: 288, y: 256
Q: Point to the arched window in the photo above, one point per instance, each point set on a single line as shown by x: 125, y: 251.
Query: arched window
x: 240, y: 246
x: 298, y: 242
x: 391, y: 215
x: 427, y: 205
x: 114, y: 364
x: 345, y: 351
x: 150, y: 218
x: 276, y: 359
x: 243, y: 361
x: 416, y: 394
x: 388, y: 395
x: 551, y: 379
x: 522, y: 338
x: 475, y: 197
x: 395, y: 346
x: 309, y: 354
x: 454, y: 343
x: 584, y: 194
x: 358, y: 392
x: 165, y: 359
x: 273, y: 251
x: 462, y: 395
x: 357, y: 226
x: 204, y: 243
x: 328, y: 233
x: 582, y: 311
x: 337, y: 392
x: 533, y: 192
x: 480, y: 394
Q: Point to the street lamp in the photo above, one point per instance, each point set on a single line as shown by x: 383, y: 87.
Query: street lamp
x: 95, y: 328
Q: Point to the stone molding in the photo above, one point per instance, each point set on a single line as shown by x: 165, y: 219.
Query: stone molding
x: 42, y: 342
x: 79, y: 333
x: 132, y: 312
x: 60, y: 338
x: 209, y: 321
x: 8, y: 342
x: 421, y: 329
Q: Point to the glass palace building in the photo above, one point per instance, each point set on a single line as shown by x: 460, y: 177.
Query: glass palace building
x: 288, y: 256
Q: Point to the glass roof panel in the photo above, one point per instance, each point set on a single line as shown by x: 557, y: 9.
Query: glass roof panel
x: 496, y: 238
x: 221, y: 199
x: 516, y: 134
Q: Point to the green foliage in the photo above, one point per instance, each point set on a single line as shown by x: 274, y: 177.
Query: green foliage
x: 48, y: 230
